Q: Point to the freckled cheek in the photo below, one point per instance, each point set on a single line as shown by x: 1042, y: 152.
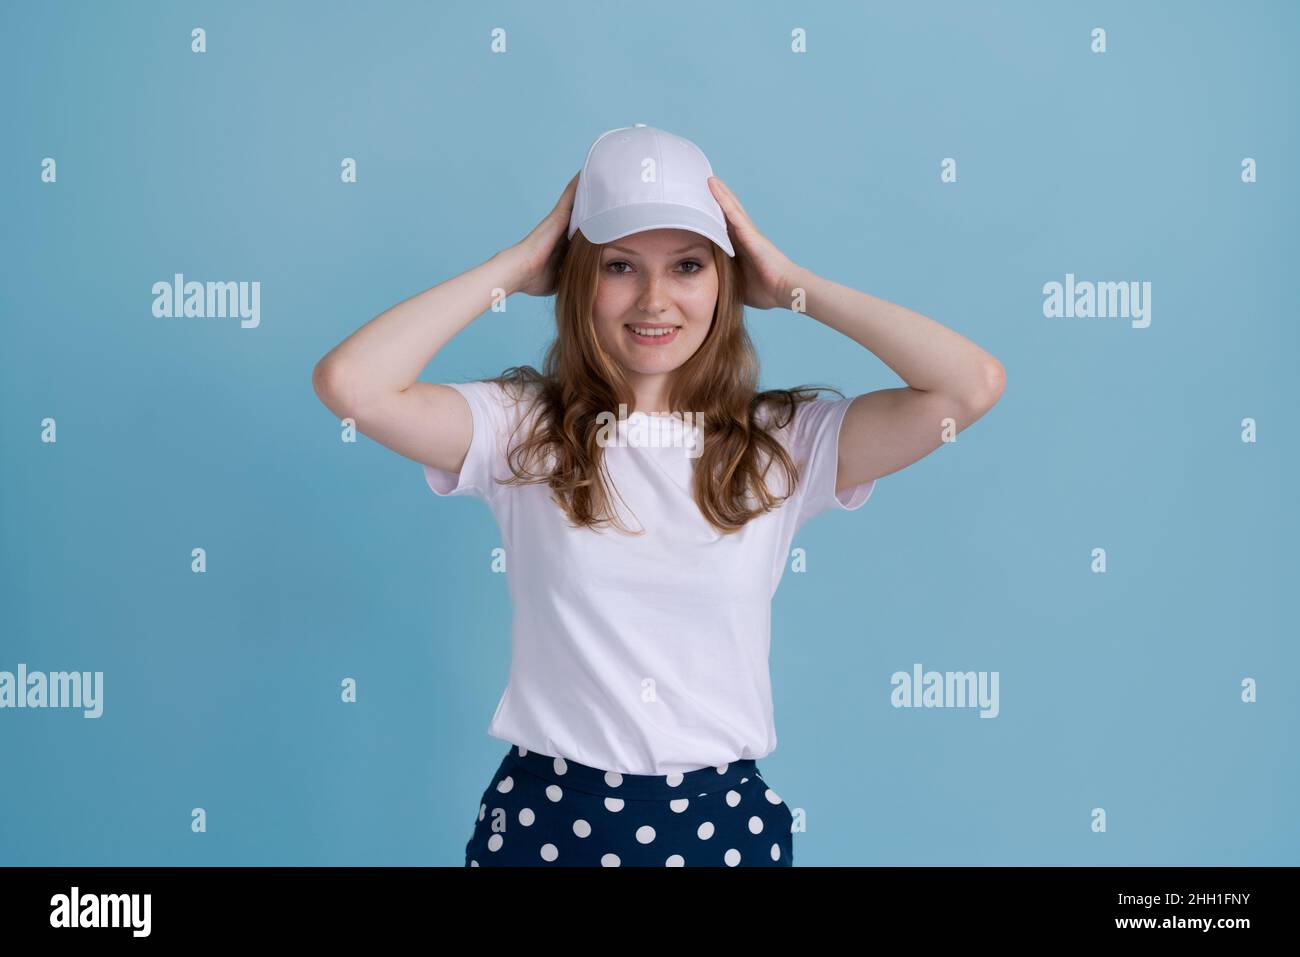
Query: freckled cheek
x: 611, y: 305
x: 698, y: 307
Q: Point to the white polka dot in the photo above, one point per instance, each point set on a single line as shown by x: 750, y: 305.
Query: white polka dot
x: 554, y: 793
x: 613, y: 804
x: 561, y: 766
x: 755, y: 825
x: 722, y: 768
x: 772, y: 796
x: 645, y: 834
x: 675, y: 861
x: 609, y: 860
x: 581, y: 828
x: 523, y: 752
x: 505, y: 784
x: 613, y: 778
x: 701, y: 794
x: 473, y: 863
x: 495, y: 842
x: 674, y: 779
x: 482, y: 809
x: 705, y: 831
x: 679, y: 805
x: 776, y: 852
x: 526, y: 817
x: 733, y: 798
x: 732, y: 857
x: 550, y: 852
x: 743, y: 780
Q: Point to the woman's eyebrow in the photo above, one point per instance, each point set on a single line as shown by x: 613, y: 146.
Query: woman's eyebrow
x: 675, y: 252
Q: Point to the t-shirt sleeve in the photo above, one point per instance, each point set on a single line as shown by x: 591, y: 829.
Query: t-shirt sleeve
x: 495, y: 414
x: 812, y: 440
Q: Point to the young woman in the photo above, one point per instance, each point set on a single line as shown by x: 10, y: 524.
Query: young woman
x: 647, y: 495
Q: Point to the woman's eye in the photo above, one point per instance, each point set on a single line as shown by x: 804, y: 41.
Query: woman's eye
x: 610, y: 266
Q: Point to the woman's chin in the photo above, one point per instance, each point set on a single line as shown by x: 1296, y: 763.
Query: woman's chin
x: 639, y: 365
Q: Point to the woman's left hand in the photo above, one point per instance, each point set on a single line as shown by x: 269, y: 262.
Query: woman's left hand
x: 769, y: 273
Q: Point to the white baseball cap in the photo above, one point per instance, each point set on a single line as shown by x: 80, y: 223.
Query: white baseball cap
x: 637, y: 178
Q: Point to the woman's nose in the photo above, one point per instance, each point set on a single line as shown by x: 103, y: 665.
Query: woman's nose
x: 653, y: 299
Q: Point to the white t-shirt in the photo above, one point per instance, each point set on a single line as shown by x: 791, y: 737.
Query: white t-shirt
x: 642, y: 654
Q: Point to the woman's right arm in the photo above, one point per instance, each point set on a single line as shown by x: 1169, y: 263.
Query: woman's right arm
x: 372, y: 376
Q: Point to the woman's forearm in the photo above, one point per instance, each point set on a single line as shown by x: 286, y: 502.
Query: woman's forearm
x: 928, y: 356
x: 390, y: 351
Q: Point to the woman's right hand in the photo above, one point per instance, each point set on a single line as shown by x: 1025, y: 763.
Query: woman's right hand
x: 541, y: 251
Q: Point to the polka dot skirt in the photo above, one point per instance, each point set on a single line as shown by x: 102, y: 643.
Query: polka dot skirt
x: 542, y: 810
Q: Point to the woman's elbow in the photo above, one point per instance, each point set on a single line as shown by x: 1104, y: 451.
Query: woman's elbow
x: 332, y: 386
x: 993, y: 382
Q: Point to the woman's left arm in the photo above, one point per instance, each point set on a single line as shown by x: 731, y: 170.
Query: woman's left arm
x: 951, y: 382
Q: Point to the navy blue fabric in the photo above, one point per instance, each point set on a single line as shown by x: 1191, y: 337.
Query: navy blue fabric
x: 543, y: 811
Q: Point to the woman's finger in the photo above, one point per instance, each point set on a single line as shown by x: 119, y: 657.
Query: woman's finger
x: 734, y: 217
x: 563, y: 208
x: 736, y: 212
x: 735, y: 200
x: 721, y: 193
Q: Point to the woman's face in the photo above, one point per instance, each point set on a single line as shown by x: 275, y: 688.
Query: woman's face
x: 662, y: 282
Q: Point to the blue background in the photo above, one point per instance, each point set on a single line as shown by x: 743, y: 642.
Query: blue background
x: 326, y: 560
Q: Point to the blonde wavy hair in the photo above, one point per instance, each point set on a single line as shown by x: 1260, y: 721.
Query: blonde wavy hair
x: 579, y: 380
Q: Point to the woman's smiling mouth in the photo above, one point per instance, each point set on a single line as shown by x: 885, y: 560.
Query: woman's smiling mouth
x: 652, y: 333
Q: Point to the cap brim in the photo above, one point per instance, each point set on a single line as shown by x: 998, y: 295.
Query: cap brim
x: 637, y: 218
